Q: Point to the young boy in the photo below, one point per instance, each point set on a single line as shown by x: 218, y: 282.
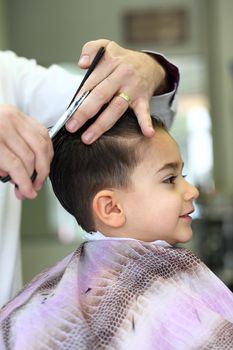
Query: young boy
x: 127, y: 287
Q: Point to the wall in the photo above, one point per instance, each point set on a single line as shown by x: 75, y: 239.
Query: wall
x: 3, y: 28
x: 55, y: 30
x: 219, y: 53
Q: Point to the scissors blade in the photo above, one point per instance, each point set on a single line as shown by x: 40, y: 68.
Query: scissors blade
x: 68, y: 114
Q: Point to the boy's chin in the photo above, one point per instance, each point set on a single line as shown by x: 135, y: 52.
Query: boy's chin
x: 182, y: 237
x: 186, y: 237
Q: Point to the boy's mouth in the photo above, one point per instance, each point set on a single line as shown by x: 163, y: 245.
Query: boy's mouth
x: 187, y: 215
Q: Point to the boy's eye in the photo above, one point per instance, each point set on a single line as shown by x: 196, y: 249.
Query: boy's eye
x: 170, y: 180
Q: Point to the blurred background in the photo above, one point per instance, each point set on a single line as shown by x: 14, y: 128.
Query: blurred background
x: 194, y: 34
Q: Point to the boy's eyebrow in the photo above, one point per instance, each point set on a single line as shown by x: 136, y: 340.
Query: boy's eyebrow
x: 173, y: 165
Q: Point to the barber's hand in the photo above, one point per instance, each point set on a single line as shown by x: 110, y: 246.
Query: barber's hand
x: 25, y: 146
x: 120, y: 70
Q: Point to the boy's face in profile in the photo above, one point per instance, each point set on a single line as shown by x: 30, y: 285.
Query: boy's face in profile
x: 159, y: 202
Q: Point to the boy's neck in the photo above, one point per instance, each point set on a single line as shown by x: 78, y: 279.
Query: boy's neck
x: 111, y: 231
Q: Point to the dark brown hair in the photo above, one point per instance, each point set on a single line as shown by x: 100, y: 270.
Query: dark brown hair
x: 79, y: 171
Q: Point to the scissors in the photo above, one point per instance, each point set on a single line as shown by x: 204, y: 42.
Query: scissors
x: 72, y: 108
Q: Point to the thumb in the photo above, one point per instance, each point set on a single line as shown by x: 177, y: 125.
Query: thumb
x: 89, y: 51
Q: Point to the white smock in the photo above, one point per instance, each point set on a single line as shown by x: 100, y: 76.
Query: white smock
x: 42, y: 93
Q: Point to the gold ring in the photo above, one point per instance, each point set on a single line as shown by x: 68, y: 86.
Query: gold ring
x: 124, y: 96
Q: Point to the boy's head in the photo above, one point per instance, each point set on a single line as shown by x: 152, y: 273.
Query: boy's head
x: 124, y: 184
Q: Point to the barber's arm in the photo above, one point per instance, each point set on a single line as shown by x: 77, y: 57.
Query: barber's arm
x: 44, y: 94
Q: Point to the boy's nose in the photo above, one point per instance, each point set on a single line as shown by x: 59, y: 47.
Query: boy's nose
x: 191, y: 192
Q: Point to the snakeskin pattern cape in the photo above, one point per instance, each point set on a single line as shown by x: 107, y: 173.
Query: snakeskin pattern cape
x: 121, y: 294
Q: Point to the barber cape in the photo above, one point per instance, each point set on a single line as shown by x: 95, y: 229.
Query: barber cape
x: 121, y: 294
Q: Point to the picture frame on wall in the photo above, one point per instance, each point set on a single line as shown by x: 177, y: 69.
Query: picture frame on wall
x: 157, y: 25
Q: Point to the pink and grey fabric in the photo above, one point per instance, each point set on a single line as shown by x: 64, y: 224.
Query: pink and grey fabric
x: 123, y: 295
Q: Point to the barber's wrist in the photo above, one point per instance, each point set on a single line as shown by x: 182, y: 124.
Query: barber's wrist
x: 165, y: 85
x: 170, y: 72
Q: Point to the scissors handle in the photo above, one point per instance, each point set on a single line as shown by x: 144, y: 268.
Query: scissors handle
x: 7, y: 178
x: 89, y: 71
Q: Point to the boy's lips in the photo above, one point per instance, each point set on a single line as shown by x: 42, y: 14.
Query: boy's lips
x: 187, y: 215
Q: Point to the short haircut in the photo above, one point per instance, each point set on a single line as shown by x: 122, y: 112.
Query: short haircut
x: 79, y: 171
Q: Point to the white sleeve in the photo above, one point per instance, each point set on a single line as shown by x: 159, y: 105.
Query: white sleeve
x: 164, y: 106
x: 42, y: 93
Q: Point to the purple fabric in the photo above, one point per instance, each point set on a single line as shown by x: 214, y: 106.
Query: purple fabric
x: 121, y: 294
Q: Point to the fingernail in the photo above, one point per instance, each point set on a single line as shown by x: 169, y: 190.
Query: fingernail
x: 72, y: 125
x: 19, y: 196
x: 88, y: 137
x: 149, y: 131
x: 34, y: 194
x: 152, y: 130
x: 38, y: 186
x: 84, y: 60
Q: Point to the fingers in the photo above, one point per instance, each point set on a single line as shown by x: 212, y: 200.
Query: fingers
x: 99, y: 96
x: 106, y: 120
x: 21, y: 151
x: 110, y: 76
x: 37, y: 138
x: 142, y: 111
x: 112, y: 113
x: 17, y: 171
x: 25, y: 146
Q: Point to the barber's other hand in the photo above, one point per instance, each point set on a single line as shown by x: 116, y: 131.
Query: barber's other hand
x: 120, y: 70
x: 25, y: 146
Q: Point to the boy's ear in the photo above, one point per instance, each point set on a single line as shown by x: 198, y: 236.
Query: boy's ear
x: 107, y: 208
